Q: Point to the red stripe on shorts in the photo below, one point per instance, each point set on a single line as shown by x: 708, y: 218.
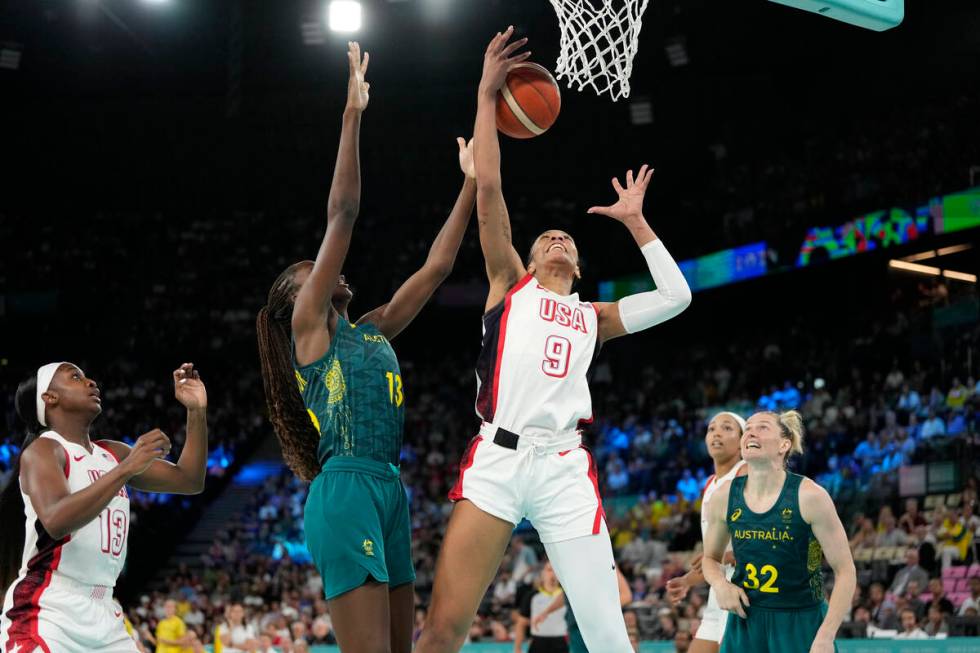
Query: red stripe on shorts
x: 26, y: 607
x: 594, y: 477
x: 457, y: 492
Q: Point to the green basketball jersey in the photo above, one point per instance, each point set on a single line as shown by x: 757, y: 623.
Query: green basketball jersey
x: 777, y: 558
x: 354, y: 395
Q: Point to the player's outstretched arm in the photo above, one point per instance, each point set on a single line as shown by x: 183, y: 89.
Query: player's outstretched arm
x: 312, y: 305
x: 730, y: 597
x: 187, y: 475
x: 61, y: 511
x: 409, y: 299
x: 818, y: 510
x: 672, y: 296
x: 504, y: 266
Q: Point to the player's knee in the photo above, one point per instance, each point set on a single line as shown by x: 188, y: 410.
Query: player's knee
x: 445, y: 633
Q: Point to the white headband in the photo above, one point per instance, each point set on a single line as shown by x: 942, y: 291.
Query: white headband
x: 737, y: 418
x: 45, y: 374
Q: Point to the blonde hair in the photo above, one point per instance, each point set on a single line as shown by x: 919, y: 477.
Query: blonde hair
x: 790, y: 427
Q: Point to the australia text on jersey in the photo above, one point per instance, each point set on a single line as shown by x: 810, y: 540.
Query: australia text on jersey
x: 773, y: 535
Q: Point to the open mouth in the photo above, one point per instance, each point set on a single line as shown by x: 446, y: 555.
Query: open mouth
x: 557, y: 246
x: 753, y: 445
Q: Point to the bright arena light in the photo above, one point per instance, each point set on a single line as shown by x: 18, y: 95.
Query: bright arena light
x: 345, y: 16
x: 156, y: 2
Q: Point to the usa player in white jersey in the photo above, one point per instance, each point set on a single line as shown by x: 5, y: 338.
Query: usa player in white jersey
x: 539, y: 340
x: 723, y: 440
x: 70, y: 491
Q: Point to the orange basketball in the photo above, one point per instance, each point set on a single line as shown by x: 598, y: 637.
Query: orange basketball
x: 529, y: 101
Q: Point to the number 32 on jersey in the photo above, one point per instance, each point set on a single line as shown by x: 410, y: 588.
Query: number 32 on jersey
x: 752, y: 578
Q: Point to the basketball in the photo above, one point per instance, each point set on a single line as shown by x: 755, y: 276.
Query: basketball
x: 529, y: 101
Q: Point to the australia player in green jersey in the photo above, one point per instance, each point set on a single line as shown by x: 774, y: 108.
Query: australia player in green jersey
x: 335, y: 397
x: 781, y: 526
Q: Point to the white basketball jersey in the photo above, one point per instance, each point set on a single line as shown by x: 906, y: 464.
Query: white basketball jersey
x: 538, y: 347
x: 95, y: 553
x: 709, y: 489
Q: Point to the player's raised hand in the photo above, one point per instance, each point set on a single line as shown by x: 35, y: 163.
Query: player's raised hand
x: 732, y: 598
x: 148, y: 448
x: 498, y: 60
x: 357, y: 88
x: 630, y: 203
x: 188, y: 387
x: 466, y: 157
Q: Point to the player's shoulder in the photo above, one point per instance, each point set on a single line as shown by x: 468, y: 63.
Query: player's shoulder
x: 41, y: 447
x: 814, y: 500
x: 718, y: 502
x: 810, y: 489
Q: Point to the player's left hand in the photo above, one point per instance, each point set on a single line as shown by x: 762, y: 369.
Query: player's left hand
x: 630, y: 204
x: 677, y: 589
x: 466, y: 157
x: 188, y: 387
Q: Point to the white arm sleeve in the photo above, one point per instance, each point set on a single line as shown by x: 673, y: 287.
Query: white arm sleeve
x: 671, y: 297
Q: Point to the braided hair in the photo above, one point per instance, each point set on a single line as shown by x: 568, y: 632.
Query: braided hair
x: 290, y: 420
x: 11, y: 500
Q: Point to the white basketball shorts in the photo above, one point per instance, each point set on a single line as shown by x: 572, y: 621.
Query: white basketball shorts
x: 67, y: 617
x: 550, y: 481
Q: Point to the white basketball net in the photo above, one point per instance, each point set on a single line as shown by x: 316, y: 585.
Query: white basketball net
x: 599, y: 39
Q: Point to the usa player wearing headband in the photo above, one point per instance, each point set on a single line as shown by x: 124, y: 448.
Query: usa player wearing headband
x: 69, y: 493
x: 539, y: 340
x: 722, y: 440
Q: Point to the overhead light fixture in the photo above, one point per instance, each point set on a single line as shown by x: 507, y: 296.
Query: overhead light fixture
x: 676, y: 50
x: 641, y: 112
x: 932, y: 271
x: 314, y: 33
x: 934, y: 253
x: 10, y: 54
x: 960, y: 276
x: 345, y: 16
x: 914, y: 267
x: 953, y: 249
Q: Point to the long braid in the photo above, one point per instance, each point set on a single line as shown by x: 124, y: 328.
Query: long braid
x: 11, y: 501
x: 290, y: 420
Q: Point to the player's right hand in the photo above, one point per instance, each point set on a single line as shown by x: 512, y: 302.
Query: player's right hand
x: 357, y: 88
x: 732, y: 598
x: 677, y: 589
x: 497, y: 61
x: 148, y: 448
